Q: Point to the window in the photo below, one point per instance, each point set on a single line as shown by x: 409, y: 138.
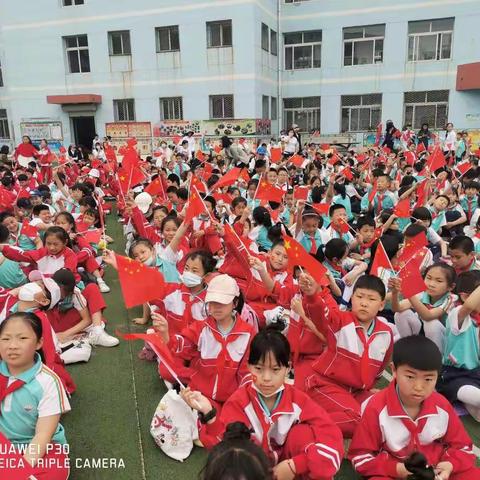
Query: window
x: 426, y: 107
x: 265, y: 107
x: 305, y: 112
x: 4, y: 131
x: 119, y: 43
x: 168, y: 39
x: 430, y: 40
x: 265, y: 38
x: 171, y: 108
x: 1, y: 76
x: 221, y: 106
x: 363, y: 45
x: 124, y: 110
x: 69, y: 3
x: 303, y: 49
x: 76, y: 48
x: 361, y: 112
x: 273, y: 43
x: 273, y: 108
x: 219, y: 34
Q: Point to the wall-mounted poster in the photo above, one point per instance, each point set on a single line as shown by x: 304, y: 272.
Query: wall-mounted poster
x: 174, y: 128
x: 122, y: 131
x: 51, y: 130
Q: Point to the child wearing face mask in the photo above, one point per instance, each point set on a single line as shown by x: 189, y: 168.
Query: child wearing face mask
x: 219, y: 345
x: 295, y: 432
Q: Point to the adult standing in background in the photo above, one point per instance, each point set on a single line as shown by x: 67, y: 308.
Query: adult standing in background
x: 26, y: 152
x: 449, y: 145
x: 296, y: 133
x: 424, y: 135
x: 391, y: 133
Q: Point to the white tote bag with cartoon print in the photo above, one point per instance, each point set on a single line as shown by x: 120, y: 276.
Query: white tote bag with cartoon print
x: 174, y: 426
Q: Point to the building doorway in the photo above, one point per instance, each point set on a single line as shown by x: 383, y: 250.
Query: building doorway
x: 84, y: 131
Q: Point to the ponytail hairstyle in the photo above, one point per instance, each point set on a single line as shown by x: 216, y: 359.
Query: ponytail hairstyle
x: 236, y: 457
x: 262, y: 217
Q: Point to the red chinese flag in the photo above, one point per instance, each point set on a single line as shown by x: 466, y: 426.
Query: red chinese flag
x: 275, y: 154
x: 380, y: 260
x: 92, y: 236
x: 154, y: 339
x: 372, y: 194
x: 422, y: 192
x: 297, y: 160
x: 22, y: 193
x: 321, y: 208
x: 217, y: 149
x: 333, y: 160
x: 155, y: 188
x: 464, y: 167
x: 130, y: 159
x: 347, y: 173
x: 28, y: 230
x: 413, y: 247
x: 412, y: 281
x: 436, y: 160
x: 386, y: 150
x: 195, y: 205
x: 402, y: 209
x: 130, y: 178
x: 207, y: 171
x: 301, y: 193
x: 198, y: 184
x: 139, y: 283
x: 420, y: 148
x: 229, y: 178
x: 410, y: 157
x: 361, y: 158
x: 325, y: 146
x: 268, y: 192
x: 224, y: 197
x: 244, y: 175
x: 343, y: 226
x: 297, y: 255
x: 200, y: 156
x: 176, y: 139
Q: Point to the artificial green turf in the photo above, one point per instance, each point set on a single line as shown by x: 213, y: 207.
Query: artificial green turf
x: 115, y: 400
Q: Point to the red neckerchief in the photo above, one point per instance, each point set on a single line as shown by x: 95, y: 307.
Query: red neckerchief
x: 365, y: 360
x: 380, y: 198
x: 4, y: 390
x: 337, y: 268
x: 467, y: 269
x: 469, y: 208
x: 313, y: 247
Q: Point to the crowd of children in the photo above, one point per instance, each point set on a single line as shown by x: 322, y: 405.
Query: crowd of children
x: 292, y: 276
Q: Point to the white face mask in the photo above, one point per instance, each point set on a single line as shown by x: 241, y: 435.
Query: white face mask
x: 269, y: 395
x: 150, y: 262
x: 190, y: 279
x: 28, y: 291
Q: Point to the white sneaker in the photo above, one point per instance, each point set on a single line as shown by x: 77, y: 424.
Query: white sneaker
x: 80, y: 351
x: 97, y: 336
x: 104, y: 288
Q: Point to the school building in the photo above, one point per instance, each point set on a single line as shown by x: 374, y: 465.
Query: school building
x: 150, y: 68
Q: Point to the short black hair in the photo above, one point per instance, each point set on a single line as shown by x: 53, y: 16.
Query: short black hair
x: 269, y: 340
x: 418, y: 352
x: 467, y: 282
x: 4, y: 233
x: 463, y: 243
x: 335, y: 207
x: 365, y: 220
x: 39, y: 208
x: 371, y: 282
x: 414, y: 229
x: 422, y: 213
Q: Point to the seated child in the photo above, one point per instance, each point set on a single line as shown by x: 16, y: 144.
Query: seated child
x: 462, y: 254
x: 31, y: 383
x: 359, y: 346
x: 460, y: 376
x: 296, y: 433
x: 11, y: 275
x: 409, y: 416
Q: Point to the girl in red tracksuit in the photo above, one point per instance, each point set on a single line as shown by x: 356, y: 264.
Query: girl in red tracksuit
x: 50, y: 258
x: 204, y: 234
x: 292, y: 429
x: 218, y: 346
x: 45, y: 162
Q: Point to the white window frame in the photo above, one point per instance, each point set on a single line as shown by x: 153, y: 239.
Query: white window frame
x: 77, y: 49
x: 4, y: 123
x: 122, y: 40
x: 425, y: 103
x: 173, y: 110
x: 170, y: 29
x: 211, y: 99
x: 303, y: 44
x: 438, y: 44
x: 309, y: 111
x: 354, y: 41
x: 222, y: 24
x: 126, y: 106
x: 357, y: 108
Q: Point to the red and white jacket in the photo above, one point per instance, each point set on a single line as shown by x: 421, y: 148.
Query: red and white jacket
x: 46, y: 263
x: 351, y: 359
x: 322, y: 458
x: 222, y: 361
x: 386, y: 435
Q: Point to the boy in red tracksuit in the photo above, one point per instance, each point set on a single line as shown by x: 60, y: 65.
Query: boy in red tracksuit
x: 359, y: 346
x: 409, y: 416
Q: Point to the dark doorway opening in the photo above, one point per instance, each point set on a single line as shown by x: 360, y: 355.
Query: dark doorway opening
x: 84, y: 131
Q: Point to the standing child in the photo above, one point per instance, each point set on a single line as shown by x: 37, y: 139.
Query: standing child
x: 410, y: 417
x: 26, y: 381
